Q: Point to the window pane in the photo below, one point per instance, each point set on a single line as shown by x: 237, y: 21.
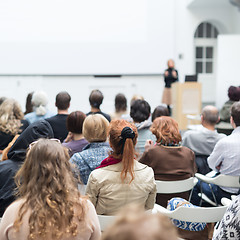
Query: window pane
x: 209, y: 67
x: 209, y: 30
x: 199, y: 67
x: 199, y: 52
x: 209, y: 52
x: 215, y: 33
x: 200, y: 31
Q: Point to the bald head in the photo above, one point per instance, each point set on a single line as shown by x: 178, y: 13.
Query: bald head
x: 210, y: 115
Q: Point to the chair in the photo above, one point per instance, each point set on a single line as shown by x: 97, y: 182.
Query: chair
x: 105, y: 221
x: 199, y: 214
x: 220, y: 180
x: 166, y: 187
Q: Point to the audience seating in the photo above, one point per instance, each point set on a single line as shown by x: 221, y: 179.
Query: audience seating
x: 199, y: 214
x: 220, y: 180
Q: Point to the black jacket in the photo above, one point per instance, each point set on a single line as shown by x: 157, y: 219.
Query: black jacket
x: 16, y: 156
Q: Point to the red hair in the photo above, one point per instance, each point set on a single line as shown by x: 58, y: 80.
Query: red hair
x: 126, y: 151
x: 166, y: 130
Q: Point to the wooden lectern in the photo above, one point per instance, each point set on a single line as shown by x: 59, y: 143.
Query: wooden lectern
x: 186, y: 100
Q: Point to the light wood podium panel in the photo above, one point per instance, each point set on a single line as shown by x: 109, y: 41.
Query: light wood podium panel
x: 186, y: 100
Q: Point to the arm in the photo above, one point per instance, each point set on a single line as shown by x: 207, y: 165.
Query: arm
x: 216, y: 157
x: 152, y: 195
x: 92, y: 190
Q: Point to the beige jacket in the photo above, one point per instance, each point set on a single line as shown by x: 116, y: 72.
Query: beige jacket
x: 108, y: 194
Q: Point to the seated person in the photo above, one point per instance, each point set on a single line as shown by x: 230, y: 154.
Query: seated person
x: 11, y: 122
x: 135, y: 224
x: 169, y: 160
x: 95, y: 129
x: 96, y: 99
x: 159, y: 111
x: 49, y: 204
x: 16, y: 157
x: 59, y: 121
x: 120, y: 107
x: 40, y: 111
x: 203, y: 140
x: 228, y: 227
x: 120, y: 179
x: 75, y: 140
x: 140, y: 113
x: 224, y: 159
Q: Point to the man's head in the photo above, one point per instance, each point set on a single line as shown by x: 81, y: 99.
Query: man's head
x: 140, y: 111
x: 235, y: 114
x: 96, y: 98
x: 63, y: 101
x: 210, y: 115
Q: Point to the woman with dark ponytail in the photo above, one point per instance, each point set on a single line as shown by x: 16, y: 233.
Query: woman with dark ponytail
x: 120, y: 179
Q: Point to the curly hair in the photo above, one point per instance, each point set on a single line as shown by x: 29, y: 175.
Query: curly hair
x: 10, y: 117
x: 48, y: 188
x: 128, y: 154
x: 166, y: 130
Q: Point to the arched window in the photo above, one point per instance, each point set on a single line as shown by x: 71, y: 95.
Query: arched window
x: 205, y: 48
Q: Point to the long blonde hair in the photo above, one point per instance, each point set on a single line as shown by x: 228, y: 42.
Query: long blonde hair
x: 46, y: 185
x: 10, y: 116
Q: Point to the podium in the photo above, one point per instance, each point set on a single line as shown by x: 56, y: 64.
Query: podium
x: 186, y: 100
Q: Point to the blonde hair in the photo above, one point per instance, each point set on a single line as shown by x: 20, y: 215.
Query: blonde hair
x: 46, y: 184
x: 124, y: 151
x: 10, y: 117
x: 95, y: 128
x: 134, y: 223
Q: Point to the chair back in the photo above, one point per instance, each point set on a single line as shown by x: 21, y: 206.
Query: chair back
x: 221, y: 180
x: 199, y: 214
x: 105, y: 221
x: 175, y: 186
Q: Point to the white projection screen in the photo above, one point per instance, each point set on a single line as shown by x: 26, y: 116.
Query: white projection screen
x: 85, y: 36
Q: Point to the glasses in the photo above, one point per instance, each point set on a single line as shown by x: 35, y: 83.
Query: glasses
x: 52, y: 139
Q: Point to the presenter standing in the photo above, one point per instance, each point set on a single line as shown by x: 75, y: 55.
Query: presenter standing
x: 170, y: 76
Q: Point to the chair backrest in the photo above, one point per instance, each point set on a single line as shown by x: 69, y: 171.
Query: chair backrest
x: 199, y: 214
x: 105, y: 221
x: 175, y: 186
x: 221, y: 180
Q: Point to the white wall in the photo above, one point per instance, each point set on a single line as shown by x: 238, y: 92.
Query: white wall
x: 228, y: 66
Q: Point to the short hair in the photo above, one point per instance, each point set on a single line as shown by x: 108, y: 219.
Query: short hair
x: 120, y: 102
x: 75, y: 121
x: 39, y: 102
x: 210, y: 114
x: 96, y: 98
x: 160, y: 111
x: 63, y: 100
x: 140, y: 110
x: 134, y: 223
x: 95, y: 128
x: 234, y: 93
x: 235, y: 113
x: 166, y: 130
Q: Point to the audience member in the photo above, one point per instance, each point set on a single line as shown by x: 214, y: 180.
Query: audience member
x: 224, y: 159
x: 160, y: 111
x: 203, y: 140
x: 49, y: 204
x: 11, y: 121
x: 169, y: 160
x: 39, y: 102
x: 75, y: 140
x: 228, y: 227
x: 16, y: 156
x: 95, y: 129
x: 140, y: 112
x: 133, y: 223
x: 59, y: 121
x: 96, y: 99
x: 29, y: 106
x: 120, y: 179
x: 120, y: 107
x: 2, y: 99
